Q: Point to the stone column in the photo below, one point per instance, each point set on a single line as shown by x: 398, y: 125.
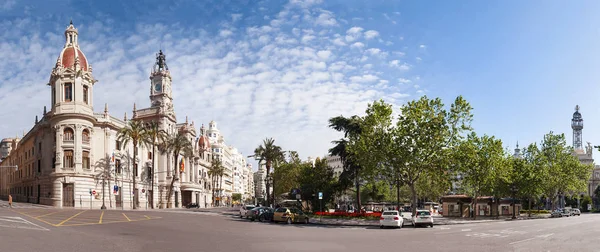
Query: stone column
x: 56, y: 192
x: 58, y: 146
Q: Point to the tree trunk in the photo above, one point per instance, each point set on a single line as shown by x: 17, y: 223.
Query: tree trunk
x: 153, y: 170
x: 413, y: 199
x: 268, y: 185
x: 358, y: 203
x: 529, y: 212
x: 475, y: 207
x: 398, y: 194
x: 173, y: 178
x: 135, y: 194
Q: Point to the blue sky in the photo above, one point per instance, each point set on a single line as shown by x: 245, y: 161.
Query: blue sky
x: 282, y: 68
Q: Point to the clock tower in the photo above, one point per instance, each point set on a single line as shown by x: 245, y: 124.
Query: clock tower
x: 160, y: 87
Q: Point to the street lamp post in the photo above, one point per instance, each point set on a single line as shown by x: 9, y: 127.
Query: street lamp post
x: 514, y: 190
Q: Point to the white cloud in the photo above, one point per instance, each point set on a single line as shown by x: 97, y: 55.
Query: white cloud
x: 422, y: 46
x: 353, y: 33
x: 397, y: 64
x: 373, y: 51
x: 256, y: 81
x: 418, y: 58
x: 367, y: 78
x: 358, y: 45
x: 404, y: 81
x: 371, y: 34
x: 324, y: 54
x: 225, y: 33
x: 326, y: 19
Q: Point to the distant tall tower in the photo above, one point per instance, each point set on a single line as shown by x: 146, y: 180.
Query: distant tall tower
x: 577, y: 126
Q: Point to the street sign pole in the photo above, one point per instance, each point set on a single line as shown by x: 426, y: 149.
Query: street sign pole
x: 321, y: 205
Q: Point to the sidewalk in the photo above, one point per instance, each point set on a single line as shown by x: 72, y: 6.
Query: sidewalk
x: 436, y: 221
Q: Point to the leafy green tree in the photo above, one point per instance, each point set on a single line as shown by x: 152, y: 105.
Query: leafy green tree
x: 135, y: 133
x: 563, y: 173
x: 527, y: 174
x: 479, y: 158
x: 269, y: 153
x: 287, y: 174
x: 236, y: 197
x: 317, y: 179
x: 370, y: 147
x: 424, y: 139
x: 352, y: 171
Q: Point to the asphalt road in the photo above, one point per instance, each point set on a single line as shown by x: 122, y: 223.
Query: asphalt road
x: 24, y: 230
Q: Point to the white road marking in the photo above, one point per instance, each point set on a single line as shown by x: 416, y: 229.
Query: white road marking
x: 465, y: 230
x: 31, y: 223
x: 18, y: 222
x: 522, y: 241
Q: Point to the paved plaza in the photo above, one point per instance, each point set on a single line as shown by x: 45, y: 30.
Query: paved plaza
x: 26, y: 230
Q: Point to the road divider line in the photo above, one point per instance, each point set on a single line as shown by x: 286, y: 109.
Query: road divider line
x: 126, y: 217
x: 147, y: 217
x: 101, y: 215
x: 38, y: 219
x: 68, y: 219
x: 48, y: 214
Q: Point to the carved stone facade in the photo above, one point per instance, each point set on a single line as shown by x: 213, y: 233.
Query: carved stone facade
x: 72, y: 151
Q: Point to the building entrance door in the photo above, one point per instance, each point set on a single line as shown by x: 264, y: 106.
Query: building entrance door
x: 68, y: 195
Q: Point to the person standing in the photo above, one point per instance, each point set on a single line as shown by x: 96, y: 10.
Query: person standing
x: 10, y: 201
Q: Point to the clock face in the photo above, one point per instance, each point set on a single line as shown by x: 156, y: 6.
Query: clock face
x: 158, y: 87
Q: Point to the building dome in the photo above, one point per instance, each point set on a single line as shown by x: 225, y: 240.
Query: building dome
x: 203, y: 143
x: 68, y: 56
x: 71, y: 52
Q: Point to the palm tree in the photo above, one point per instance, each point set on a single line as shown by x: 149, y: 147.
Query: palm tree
x: 177, y: 144
x: 268, y: 152
x: 134, y: 132
x: 351, y: 128
x: 154, y: 135
x: 216, y: 171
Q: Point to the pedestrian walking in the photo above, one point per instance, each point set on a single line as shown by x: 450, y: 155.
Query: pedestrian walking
x: 10, y: 201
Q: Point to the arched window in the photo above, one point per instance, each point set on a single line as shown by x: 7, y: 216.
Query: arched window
x: 85, y: 135
x: 68, y: 135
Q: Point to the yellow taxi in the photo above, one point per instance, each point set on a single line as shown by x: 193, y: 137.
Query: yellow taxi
x: 289, y: 215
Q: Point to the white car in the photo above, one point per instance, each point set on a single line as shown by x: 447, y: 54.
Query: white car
x: 391, y: 219
x: 244, y: 210
x: 423, y: 218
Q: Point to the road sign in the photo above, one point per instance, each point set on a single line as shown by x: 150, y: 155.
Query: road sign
x: 94, y: 192
x: 143, y: 190
x: 116, y: 188
x: 90, y: 191
x: 320, y: 195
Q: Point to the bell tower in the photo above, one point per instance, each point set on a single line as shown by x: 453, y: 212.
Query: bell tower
x: 577, y: 126
x: 160, y: 90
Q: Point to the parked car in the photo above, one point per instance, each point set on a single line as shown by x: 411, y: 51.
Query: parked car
x: 192, y: 205
x: 244, y: 210
x: 260, y: 213
x: 566, y: 212
x: 290, y: 215
x: 576, y: 211
x: 391, y: 219
x: 556, y: 214
x: 423, y: 218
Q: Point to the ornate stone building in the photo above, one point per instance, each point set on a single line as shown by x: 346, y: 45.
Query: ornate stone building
x: 71, y: 157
